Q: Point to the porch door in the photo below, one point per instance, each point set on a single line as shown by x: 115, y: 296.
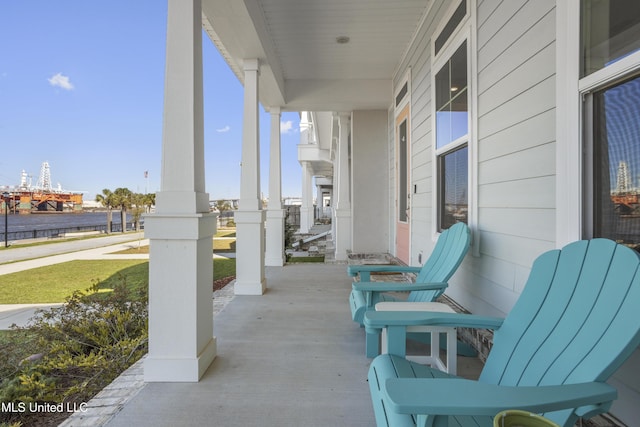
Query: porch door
x: 402, y: 187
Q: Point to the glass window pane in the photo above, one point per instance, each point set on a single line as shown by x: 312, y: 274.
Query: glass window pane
x: 443, y: 86
x: 454, y: 205
x: 402, y: 94
x: 459, y: 68
x: 451, y: 98
x: 617, y: 163
x: 455, y: 19
x: 610, y: 30
x: 451, y: 126
x: 459, y: 115
x: 443, y: 126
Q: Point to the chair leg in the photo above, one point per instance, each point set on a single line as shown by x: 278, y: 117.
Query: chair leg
x: 373, y: 344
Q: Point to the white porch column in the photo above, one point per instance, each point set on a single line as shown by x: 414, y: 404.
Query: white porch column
x: 274, y: 255
x: 342, y: 239
x: 334, y: 197
x: 181, y: 342
x: 319, y: 209
x: 249, y: 217
x: 331, y: 204
x: 306, y: 210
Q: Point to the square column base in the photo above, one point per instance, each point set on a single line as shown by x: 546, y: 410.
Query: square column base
x: 250, y: 243
x: 158, y: 369
x: 250, y: 287
x: 181, y: 342
x: 342, y: 238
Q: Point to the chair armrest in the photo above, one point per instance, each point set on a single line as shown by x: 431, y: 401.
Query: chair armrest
x: 354, y: 270
x: 376, y: 320
x: 397, y: 287
x: 453, y: 396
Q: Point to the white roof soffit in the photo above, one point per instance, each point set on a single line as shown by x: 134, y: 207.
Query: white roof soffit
x: 230, y: 28
x: 303, y: 65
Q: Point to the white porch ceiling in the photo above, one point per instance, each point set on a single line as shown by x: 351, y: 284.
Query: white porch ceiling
x: 303, y: 67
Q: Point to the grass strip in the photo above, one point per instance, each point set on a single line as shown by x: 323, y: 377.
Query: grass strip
x: 53, y: 283
x: 301, y: 259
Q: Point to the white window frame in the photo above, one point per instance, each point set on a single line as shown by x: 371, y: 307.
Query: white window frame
x: 571, y: 132
x: 466, y: 32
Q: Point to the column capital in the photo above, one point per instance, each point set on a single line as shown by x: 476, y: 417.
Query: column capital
x: 275, y: 110
x: 343, y: 115
x: 251, y: 64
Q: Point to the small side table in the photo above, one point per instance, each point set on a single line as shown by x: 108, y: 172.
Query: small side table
x: 434, y: 358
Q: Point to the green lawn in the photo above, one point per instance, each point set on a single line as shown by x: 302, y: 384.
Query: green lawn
x: 224, y: 267
x: 302, y: 259
x: 52, y: 284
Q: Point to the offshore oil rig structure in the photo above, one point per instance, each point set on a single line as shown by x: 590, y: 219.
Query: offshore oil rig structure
x: 41, y: 198
x: 625, y: 197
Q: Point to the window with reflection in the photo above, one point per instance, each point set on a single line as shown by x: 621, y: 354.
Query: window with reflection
x: 610, y: 31
x: 452, y: 112
x: 454, y: 174
x: 616, y: 163
x: 451, y: 139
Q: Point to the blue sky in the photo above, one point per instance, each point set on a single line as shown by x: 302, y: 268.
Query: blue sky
x: 81, y: 86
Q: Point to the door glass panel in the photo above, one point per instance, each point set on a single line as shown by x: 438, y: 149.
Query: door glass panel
x: 402, y: 171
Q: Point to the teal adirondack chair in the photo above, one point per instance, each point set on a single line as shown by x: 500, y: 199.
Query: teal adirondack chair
x: 574, y: 324
x: 430, y: 283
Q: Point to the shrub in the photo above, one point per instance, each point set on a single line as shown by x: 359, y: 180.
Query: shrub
x: 69, y: 353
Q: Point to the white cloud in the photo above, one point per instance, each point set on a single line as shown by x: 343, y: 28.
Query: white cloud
x: 61, y: 81
x: 224, y: 129
x: 287, y: 127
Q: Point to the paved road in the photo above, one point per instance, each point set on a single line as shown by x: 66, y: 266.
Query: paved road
x: 17, y: 253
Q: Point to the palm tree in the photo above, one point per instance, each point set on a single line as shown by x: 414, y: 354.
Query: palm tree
x: 107, y: 199
x: 138, y: 208
x: 149, y: 200
x: 123, y: 200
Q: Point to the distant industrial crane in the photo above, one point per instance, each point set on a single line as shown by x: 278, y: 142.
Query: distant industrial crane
x: 44, y: 180
x: 625, y: 197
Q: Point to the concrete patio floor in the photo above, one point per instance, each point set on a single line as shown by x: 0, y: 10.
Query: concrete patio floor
x: 291, y: 357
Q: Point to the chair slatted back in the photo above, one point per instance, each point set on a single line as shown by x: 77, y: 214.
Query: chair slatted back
x: 575, y: 321
x: 447, y: 255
